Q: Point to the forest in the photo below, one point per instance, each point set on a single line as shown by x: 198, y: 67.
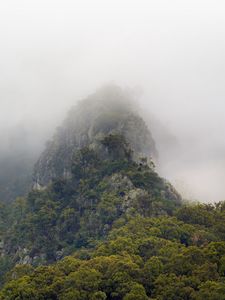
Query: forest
x: 100, y: 223
x: 113, y: 230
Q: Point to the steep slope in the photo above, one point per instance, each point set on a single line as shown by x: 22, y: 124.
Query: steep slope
x: 93, y: 173
x: 98, y: 198
x: 101, y: 224
x: 109, y: 110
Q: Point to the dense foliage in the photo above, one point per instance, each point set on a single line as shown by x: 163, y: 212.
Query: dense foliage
x: 142, y: 258
x: 144, y: 255
x: 105, y: 185
x: 113, y: 229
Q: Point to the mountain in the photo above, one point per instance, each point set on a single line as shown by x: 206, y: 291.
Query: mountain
x: 96, y: 169
x: 100, y: 223
x: 110, y: 110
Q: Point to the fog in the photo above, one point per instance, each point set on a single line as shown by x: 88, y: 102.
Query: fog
x: 171, y: 53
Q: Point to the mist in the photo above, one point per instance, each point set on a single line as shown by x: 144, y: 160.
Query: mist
x: 169, y: 53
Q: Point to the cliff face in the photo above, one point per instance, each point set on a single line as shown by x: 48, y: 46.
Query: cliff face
x: 108, y: 111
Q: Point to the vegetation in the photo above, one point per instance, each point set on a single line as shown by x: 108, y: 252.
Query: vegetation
x: 109, y: 229
x: 127, y: 234
x: 79, y: 211
x: 142, y: 258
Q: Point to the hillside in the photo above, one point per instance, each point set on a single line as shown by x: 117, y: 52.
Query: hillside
x: 100, y: 223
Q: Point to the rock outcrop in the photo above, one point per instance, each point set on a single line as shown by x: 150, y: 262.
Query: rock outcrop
x: 110, y: 110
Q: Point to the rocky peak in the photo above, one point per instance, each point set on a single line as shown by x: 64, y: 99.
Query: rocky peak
x: 109, y: 110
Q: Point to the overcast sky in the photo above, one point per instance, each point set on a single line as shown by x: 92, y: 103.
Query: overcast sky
x: 52, y: 53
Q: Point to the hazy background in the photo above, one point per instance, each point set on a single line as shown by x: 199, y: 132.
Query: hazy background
x: 172, y: 53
